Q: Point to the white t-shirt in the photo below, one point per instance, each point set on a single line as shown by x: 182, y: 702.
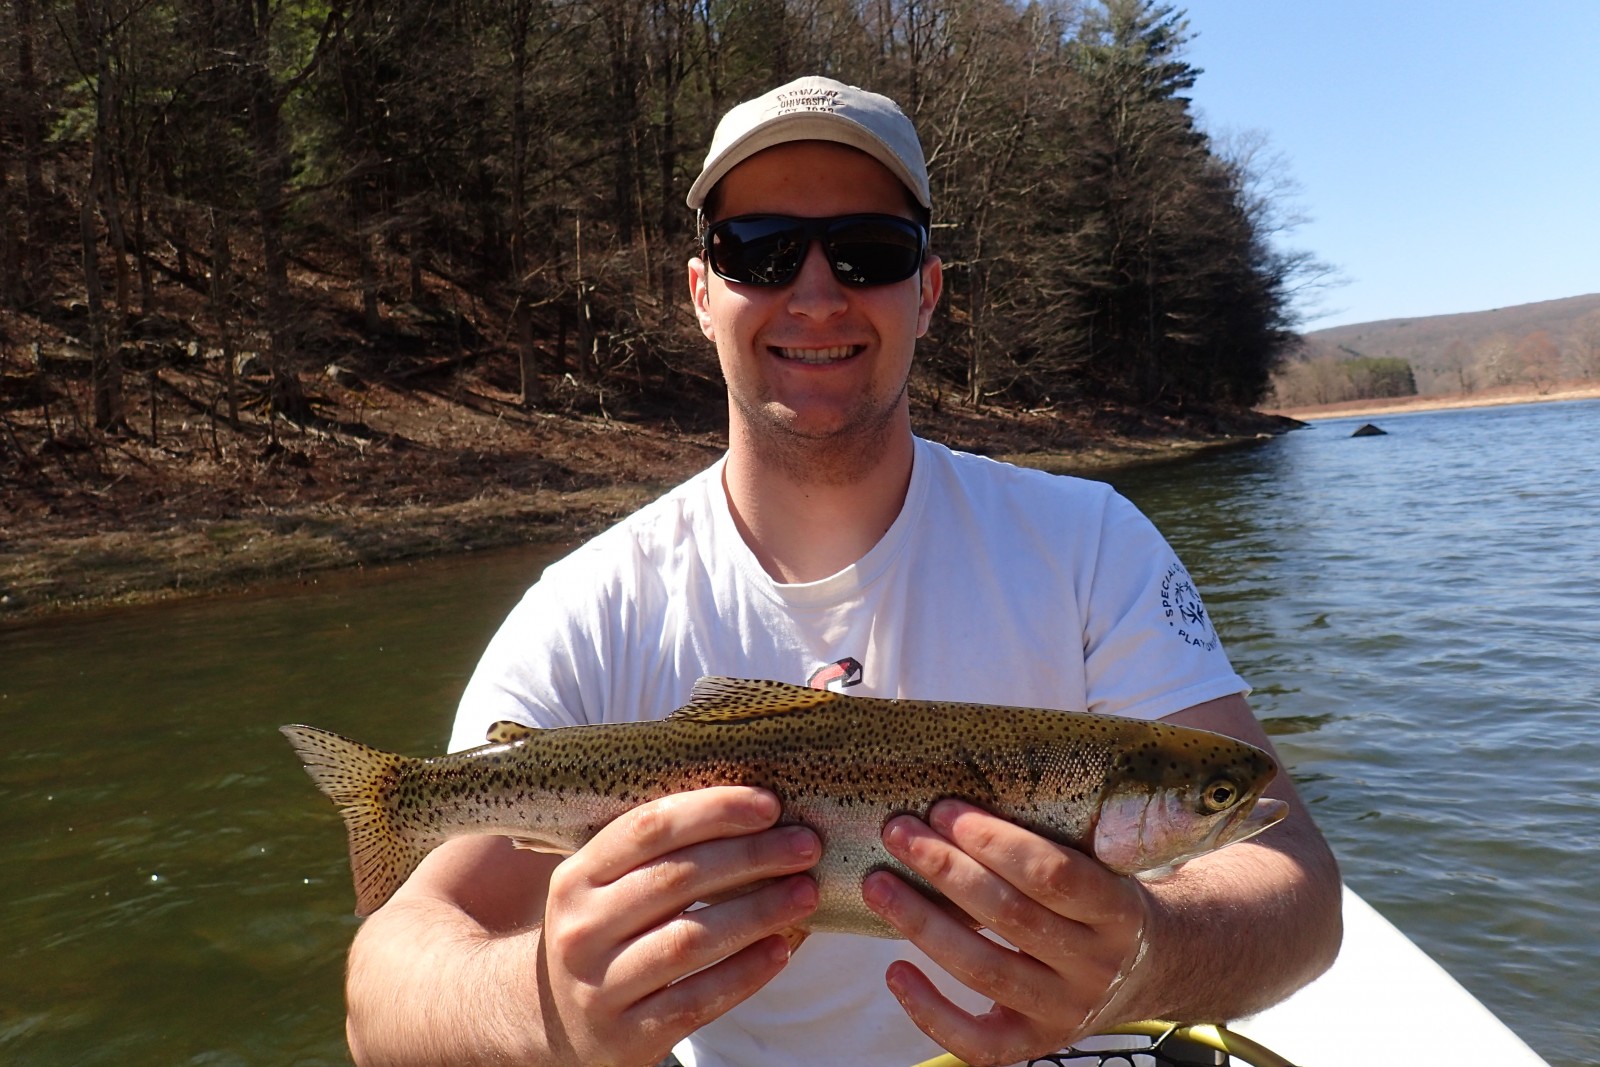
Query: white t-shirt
x: 996, y: 584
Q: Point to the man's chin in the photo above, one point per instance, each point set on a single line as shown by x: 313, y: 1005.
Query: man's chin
x: 814, y: 444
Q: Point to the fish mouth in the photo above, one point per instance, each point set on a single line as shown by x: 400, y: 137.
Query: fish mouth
x: 1263, y: 814
x: 1151, y: 836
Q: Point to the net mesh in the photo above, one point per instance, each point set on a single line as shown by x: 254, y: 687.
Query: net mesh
x: 1169, y: 1050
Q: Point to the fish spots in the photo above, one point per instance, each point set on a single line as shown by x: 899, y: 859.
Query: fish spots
x: 839, y: 764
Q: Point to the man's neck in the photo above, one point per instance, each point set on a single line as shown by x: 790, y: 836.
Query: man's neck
x: 806, y: 521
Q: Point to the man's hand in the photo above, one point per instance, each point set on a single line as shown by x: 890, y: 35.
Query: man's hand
x: 625, y: 970
x: 1229, y: 934
x: 490, y: 954
x: 1077, y: 929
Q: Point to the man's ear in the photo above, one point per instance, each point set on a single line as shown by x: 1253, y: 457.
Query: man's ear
x: 700, y: 296
x: 931, y: 281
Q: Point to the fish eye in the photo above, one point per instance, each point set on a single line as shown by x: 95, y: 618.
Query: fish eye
x: 1220, y: 795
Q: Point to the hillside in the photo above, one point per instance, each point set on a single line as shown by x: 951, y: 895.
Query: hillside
x: 1537, y: 346
x: 1422, y: 340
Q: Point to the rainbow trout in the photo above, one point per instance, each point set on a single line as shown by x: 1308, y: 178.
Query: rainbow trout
x: 1141, y: 796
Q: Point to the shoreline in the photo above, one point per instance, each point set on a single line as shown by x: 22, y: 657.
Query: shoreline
x: 1353, y: 409
x: 49, y: 571
x: 65, y: 574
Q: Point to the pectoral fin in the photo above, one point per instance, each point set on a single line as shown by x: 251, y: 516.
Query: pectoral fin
x: 549, y: 847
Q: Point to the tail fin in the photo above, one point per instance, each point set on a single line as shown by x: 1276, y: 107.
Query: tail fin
x: 361, y: 780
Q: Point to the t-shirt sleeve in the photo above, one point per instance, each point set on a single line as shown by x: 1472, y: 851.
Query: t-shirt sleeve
x: 1150, y: 646
x: 529, y: 672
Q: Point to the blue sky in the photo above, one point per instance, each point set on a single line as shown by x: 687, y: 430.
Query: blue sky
x: 1447, y: 154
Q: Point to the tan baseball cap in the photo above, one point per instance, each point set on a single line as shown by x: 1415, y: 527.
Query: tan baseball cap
x: 816, y: 109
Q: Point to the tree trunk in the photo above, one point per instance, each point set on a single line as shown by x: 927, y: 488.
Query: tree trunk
x: 105, y: 357
x: 12, y: 216
x: 221, y: 285
x: 361, y: 232
x: 285, y: 395
x: 24, y: 222
x: 522, y: 319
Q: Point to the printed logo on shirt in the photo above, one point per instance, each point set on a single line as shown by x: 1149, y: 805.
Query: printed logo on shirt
x: 1184, y: 611
x: 836, y: 675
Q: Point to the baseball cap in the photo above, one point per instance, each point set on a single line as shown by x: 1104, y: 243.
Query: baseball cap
x: 816, y: 109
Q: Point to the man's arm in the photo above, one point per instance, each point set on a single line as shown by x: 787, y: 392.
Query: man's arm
x: 489, y: 954
x: 1227, y: 935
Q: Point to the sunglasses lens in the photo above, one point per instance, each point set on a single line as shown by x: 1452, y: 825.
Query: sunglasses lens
x: 768, y: 249
x: 874, y: 251
x: 756, y: 250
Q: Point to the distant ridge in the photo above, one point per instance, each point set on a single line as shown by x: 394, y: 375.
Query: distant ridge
x: 1421, y: 340
x: 1538, y: 346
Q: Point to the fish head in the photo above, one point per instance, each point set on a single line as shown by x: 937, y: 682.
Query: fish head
x: 1180, y: 798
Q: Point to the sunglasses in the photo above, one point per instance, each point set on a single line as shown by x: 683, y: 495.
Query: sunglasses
x: 863, y: 250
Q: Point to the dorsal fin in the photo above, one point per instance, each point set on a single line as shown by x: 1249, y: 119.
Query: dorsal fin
x: 725, y: 701
x: 506, y: 731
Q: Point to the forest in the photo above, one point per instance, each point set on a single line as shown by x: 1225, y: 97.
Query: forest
x: 215, y: 205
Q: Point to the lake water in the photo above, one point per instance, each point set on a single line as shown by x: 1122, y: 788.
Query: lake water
x: 1418, y: 613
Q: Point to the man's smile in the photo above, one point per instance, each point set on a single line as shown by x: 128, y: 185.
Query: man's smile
x: 831, y: 354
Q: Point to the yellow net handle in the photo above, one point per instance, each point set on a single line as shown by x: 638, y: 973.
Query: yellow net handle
x: 1206, y: 1035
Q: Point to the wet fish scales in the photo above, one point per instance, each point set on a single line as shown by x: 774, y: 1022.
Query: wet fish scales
x: 1142, y: 796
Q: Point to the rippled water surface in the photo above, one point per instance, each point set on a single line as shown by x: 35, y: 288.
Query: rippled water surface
x: 1419, y: 613
x: 173, y: 894
x: 1420, y: 616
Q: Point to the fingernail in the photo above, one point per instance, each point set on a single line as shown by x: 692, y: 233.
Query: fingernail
x: 764, y: 809
x: 944, y: 815
x: 895, y: 833
x: 802, y: 842
x: 875, y: 894
x: 896, y: 983
x: 803, y: 894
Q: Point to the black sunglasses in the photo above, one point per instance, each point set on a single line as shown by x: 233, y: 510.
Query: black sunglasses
x: 768, y: 249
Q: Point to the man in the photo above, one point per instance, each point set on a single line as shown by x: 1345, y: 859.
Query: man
x: 830, y: 543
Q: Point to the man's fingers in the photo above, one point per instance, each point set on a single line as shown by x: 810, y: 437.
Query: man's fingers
x: 673, y: 1013
x: 1075, y: 928
x: 999, y: 1035
x: 1052, y: 902
x: 1068, y: 883
x: 698, y: 939
x: 990, y: 899
x: 674, y: 822
x: 997, y: 971
x: 715, y: 870
x: 618, y: 927
x: 595, y: 901
x: 589, y: 925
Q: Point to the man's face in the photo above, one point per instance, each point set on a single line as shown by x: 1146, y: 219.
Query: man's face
x: 814, y: 360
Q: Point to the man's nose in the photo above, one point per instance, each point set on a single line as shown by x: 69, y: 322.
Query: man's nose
x: 815, y: 292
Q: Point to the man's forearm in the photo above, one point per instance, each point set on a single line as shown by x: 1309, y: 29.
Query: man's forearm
x: 1239, y: 929
x: 1236, y: 931
x: 427, y: 985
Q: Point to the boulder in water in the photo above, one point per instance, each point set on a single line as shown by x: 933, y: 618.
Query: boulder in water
x: 1366, y: 429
